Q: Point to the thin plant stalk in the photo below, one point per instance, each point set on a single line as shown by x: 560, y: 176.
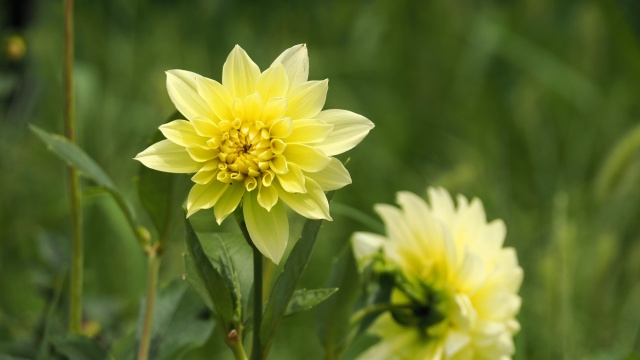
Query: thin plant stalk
x: 256, y: 348
x: 77, y: 252
x: 153, y: 267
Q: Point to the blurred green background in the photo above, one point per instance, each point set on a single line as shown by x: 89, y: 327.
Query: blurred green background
x: 531, y: 105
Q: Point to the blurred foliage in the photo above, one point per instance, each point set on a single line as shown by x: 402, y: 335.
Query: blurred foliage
x: 530, y: 105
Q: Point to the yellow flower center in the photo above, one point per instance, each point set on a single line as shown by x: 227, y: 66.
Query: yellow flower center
x: 246, y: 152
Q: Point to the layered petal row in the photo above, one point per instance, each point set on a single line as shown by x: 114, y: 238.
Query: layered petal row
x: 259, y: 140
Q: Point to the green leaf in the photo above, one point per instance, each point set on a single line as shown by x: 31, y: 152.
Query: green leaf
x: 232, y: 257
x: 155, y: 189
x: 74, y: 156
x: 180, y: 322
x: 157, y: 192
x: 214, y: 283
x: 194, y: 279
x: 78, y: 347
x: 334, y: 314
x: 287, y: 281
x: 303, y: 300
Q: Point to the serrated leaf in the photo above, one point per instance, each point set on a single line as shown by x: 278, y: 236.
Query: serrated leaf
x: 214, y: 283
x: 80, y: 348
x: 303, y: 300
x: 287, y: 281
x: 181, y: 321
x: 232, y: 257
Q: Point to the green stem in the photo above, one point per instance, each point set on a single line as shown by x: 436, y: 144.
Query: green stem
x: 77, y: 255
x: 372, y: 309
x: 153, y: 267
x: 256, y: 349
x: 234, y: 340
x: 140, y: 232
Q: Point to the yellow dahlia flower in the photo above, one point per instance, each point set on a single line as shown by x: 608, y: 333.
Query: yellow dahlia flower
x: 260, y: 138
x: 457, y: 293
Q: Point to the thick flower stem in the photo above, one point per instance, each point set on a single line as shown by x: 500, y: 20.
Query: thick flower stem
x: 77, y: 255
x: 256, y: 349
x: 153, y: 267
x: 234, y: 341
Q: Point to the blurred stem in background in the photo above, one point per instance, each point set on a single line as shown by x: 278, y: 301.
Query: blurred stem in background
x: 77, y: 256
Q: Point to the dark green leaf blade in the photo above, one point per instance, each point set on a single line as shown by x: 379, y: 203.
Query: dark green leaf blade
x: 287, y: 281
x: 303, y: 300
x: 192, y: 277
x: 180, y: 322
x: 213, y: 281
x: 333, y: 321
x: 158, y: 190
x: 73, y: 155
x: 155, y: 189
x: 232, y: 257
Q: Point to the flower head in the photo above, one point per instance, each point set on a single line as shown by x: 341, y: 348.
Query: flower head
x: 455, y: 295
x: 260, y: 138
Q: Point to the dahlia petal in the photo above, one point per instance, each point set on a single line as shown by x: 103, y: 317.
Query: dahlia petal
x: 293, y: 181
x: 181, y: 85
x: 267, y: 196
x: 239, y: 73
x: 306, y: 157
x: 366, y: 244
x: 204, y: 176
x: 309, y: 131
x: 348, y: 130
x: 296, y: 63
x: 441, y: 204
x: 204, y: 196
x: 281, y: 128
x: 168, y: 157
x: 398, y: 342
x: 205, y: 127
x: 313, y: 204
x: 278, y: 164
x: 334, y: 176
x: 216, y: 95
x: 201, y: 154
x: 399, y: 229
x: 415, y: 210
x: 273, y: 109
x: 269, y: 230
x: 183, y: 133
x: 253, y: 106
x: 455, y: 342
x: 273, y: 82
x: 229, y: 201
x: 307, y: 99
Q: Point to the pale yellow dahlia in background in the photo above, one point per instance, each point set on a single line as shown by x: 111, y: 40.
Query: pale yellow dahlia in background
x: 260, y: 138
x: 457, y: 297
